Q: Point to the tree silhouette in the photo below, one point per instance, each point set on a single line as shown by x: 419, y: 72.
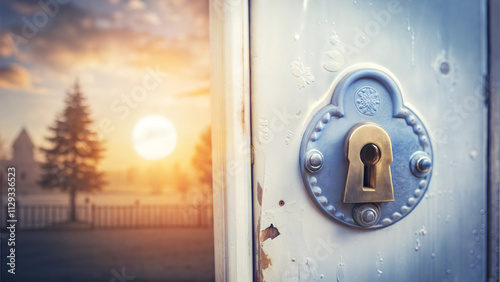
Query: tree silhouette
x: 202, y: 163
x: 181, y: 181
x: 74, y: 152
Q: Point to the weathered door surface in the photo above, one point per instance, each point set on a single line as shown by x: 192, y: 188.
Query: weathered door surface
x: 407, y: 77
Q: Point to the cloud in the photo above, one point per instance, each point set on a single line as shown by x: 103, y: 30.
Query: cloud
x: 25, y: 7
x: 6, y: 45
x: 136, y: 5
x: 14, y: 77
x: 151, y: 18
x: 78, y: 37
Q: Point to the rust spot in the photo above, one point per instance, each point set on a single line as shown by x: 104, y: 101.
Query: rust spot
x: 281, y: 203
x: 265, y: 262
x: 259, y: 193
x: 258, y: 252
x: 269, y: 233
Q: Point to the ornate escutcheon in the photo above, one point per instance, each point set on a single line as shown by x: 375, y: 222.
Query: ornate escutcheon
x: 366, y: 158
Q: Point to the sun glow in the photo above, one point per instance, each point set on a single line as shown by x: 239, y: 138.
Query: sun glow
x: 154, y: 137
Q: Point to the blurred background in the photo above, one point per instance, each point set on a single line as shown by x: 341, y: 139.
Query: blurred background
x: 105, y: 116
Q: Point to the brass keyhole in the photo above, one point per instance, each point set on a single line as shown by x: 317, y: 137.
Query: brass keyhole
x: 370, y: 156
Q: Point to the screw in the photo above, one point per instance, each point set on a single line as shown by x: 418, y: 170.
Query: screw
x: 314, y: 161
x: 366, y: 215
x: 281, y: 203
x: 424, y: 164
x: 420, y: 164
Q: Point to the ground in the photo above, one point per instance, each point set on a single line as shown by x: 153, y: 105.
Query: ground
x: 111, y: 255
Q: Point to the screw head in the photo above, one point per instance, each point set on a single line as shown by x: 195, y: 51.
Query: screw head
x: 424, y: 164
x: 366, y: 215
x: 420, y: 164
x: 314, y: 161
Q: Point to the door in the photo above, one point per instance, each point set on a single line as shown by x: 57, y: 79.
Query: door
x: 326, y: 78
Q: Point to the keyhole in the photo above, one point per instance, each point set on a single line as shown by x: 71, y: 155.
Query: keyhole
x: 370, y: 155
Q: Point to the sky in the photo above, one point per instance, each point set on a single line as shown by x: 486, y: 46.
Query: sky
x: 132, y: 59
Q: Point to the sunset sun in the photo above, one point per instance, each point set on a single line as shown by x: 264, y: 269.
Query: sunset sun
x: 154, y: 137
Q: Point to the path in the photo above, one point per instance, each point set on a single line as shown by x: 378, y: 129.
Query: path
x: 92, y: 255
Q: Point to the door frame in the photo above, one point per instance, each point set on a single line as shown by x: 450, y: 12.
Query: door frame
x: 493, y: 89
x: 231, y: 145
x: 232, y: 150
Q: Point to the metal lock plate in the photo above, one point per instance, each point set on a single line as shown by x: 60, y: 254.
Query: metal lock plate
x: 366, y: 109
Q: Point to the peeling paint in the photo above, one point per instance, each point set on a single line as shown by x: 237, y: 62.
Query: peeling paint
x: 298, y: 262
x: 265, y: 262
x: 259, y: 193
x: 269, y: 233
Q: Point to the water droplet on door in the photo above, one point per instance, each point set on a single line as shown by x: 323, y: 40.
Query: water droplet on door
x: 448, y: 219
x: 379, y: 265
x: 473, y: 154
x: 340, y: 272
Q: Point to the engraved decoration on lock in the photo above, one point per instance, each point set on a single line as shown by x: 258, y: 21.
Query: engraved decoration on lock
x: 366, y: 158
x: 367, y: 100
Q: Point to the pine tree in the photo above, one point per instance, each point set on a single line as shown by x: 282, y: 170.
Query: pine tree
x: 73, y: 155
x: 181, y: 181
